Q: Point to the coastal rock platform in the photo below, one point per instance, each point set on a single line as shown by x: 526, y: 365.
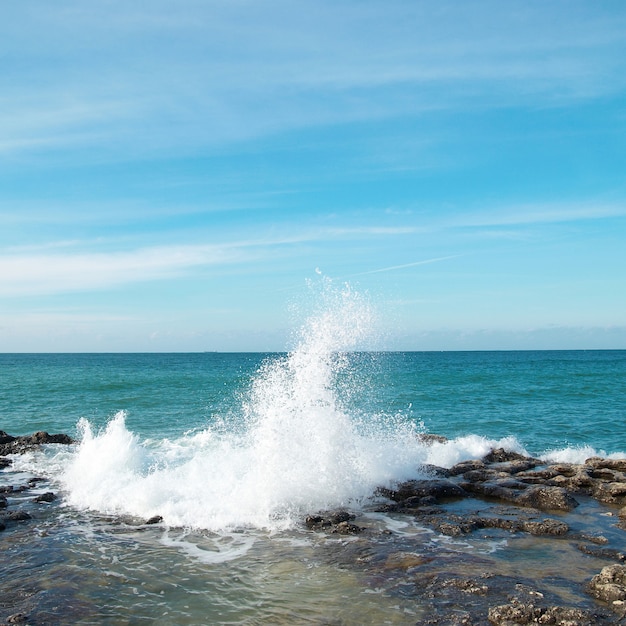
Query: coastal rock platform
x: 502, y: 540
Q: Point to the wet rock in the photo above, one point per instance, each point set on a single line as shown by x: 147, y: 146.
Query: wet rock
x: 551, y: 527
x: 601, y: 553
x: 17, y: 516
x: 456, y: 525
x: 45, y: 497
x: 18, y: 445
x: 610, y: 493
x: 438, y: 489
x: 546, y: 498
x: 500, y: 455
x: 5, y: 462
x: 330, y: 520
x: 609, y: 585
x: 3, y: 502
x: 528, y: 613
x: 466, y: 466
x: 346, y: 528
x: 5, y: 438
x: 155, y: 519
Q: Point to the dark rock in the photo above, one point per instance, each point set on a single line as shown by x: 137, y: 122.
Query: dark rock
x: 3, y: 502
x: 500, y: 455
x: 45, y: 497
x: 514, y: 467
x: 5, y: 462
x: 466, y: 466
x: 338, y: 520
x: 17, y: 445
x: 456, y: 525
x: 155, y: 519
x: 601, y: 553
x: 436, y: 488
x: 17, y: 516
x: 484, y: 475
x: 5, y: 438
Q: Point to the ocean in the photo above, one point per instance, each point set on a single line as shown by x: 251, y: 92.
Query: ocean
x: 233, y: 450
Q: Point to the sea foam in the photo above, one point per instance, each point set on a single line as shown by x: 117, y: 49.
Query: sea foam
x: 300, y: 449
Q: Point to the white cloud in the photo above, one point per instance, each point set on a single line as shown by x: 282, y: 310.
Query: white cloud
x: 37, y: 274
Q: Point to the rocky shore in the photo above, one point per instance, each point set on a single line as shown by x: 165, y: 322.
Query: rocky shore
x: 573, y: 516
x: 508, y: 495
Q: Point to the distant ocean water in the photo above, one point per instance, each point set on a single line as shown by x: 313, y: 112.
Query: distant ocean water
x: 232, y: 450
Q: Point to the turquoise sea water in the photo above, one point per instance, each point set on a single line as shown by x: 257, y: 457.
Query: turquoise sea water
x: 545, y: 399
x: 233, y: 450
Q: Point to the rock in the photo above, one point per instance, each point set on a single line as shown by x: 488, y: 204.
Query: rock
x: 438, y: 488
x: 602, y: 553
x: 547, y: 498
x: 5, y: 462
x: 17, y: 445
x: 500, y: 455
x: 45, y: 497
x: 17, y: 618
x: 610, y: 584
x: 346, y: 528
x: 618, y: 465
x: 3, y: 502
x: 545, y: 527
x: 527, y: 613
x: 17, y: 516
x: 466, y: 466
x: 5, y: 438
x: 332, y: 519
x: 155, y: 519
x: 610, y: 493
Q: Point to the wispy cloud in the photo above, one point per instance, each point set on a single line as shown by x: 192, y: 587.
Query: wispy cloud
x: 544, y: 213
x: 405, y: 265
x: 173, y: 78
x: 38, y: 274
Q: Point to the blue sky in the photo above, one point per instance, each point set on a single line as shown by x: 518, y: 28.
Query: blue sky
x: 173, y: 173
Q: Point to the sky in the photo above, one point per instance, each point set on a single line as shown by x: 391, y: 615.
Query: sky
x: 178, y: 175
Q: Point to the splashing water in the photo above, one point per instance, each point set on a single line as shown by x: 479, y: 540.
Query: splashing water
x: 301, y: 449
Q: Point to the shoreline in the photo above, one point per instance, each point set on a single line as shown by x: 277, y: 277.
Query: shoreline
x: 564, y: 523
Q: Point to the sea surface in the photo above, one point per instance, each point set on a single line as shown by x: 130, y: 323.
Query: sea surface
x: 233, y: 450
